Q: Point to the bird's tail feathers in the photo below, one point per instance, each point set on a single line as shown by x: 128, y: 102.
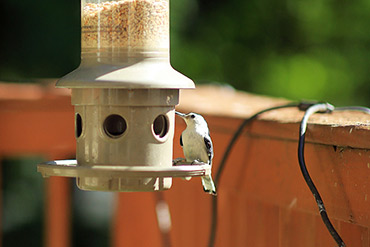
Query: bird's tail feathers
x: 208, y: 185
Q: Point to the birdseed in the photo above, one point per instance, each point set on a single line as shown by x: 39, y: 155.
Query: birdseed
x: 126, y: 23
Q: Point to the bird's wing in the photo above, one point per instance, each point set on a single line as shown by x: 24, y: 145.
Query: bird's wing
x: 181, y: 144
x: 209, y: 148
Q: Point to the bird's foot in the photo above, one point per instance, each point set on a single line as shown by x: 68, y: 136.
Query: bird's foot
x: 197, y: 162
x: 176, y: 161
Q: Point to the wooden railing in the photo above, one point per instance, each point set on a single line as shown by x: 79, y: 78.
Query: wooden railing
x: 262, y: 197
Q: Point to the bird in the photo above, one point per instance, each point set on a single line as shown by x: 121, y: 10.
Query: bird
x: 197, y: 145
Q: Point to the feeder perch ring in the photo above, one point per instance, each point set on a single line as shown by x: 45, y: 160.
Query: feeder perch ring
x: 70, y: 168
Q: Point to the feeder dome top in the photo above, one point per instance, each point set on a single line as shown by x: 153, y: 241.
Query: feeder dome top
x: 150, y: 73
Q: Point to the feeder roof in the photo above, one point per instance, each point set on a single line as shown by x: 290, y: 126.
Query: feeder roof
x: 147, y: 73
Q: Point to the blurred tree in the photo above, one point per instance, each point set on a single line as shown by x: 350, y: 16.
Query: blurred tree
x: 39, y: 38
x: 296, y: 49
x: 22, y: 204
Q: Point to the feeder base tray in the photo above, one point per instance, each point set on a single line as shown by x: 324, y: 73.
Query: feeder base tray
x: 121, y: 178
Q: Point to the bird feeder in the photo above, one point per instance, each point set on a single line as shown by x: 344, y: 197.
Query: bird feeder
x: 124, y: 92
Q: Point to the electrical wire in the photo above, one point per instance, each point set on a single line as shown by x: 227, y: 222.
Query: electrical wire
x: 309, y: 108
x: 221, y: 167
x: 322, y: 108
x: 353, y: 108
x: 238, y: 133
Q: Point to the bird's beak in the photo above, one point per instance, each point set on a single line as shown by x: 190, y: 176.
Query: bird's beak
x: 180, y: 114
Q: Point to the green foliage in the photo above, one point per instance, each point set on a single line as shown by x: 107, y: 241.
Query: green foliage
x: 294, y: 49
x: 317, y: 49
x: 22, y: 194
x: 39, y: 39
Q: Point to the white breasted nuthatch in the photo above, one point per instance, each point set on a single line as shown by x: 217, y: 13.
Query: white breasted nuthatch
x: 197, y: 145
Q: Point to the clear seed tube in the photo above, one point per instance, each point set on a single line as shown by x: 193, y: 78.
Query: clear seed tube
x: 116, y: 30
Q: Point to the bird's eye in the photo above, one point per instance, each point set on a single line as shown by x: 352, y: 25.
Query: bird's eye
x: 192, y: 116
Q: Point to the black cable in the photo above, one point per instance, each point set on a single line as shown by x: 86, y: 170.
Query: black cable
x: 238, y: 133
x: 323, y: 108
x: 353, y: 108
x: 225, y: 157
x: 309, y: 108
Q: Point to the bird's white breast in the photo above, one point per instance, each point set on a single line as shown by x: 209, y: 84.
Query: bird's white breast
x: 193, y: 145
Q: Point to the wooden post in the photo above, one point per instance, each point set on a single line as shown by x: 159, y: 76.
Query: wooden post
x: 58, y: 212
x: 40, y: 120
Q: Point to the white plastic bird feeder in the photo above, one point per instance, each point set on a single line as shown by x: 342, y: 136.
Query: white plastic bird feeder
x: 124, y: 93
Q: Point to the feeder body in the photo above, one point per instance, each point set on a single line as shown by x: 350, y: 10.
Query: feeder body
x: 124, y: 127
